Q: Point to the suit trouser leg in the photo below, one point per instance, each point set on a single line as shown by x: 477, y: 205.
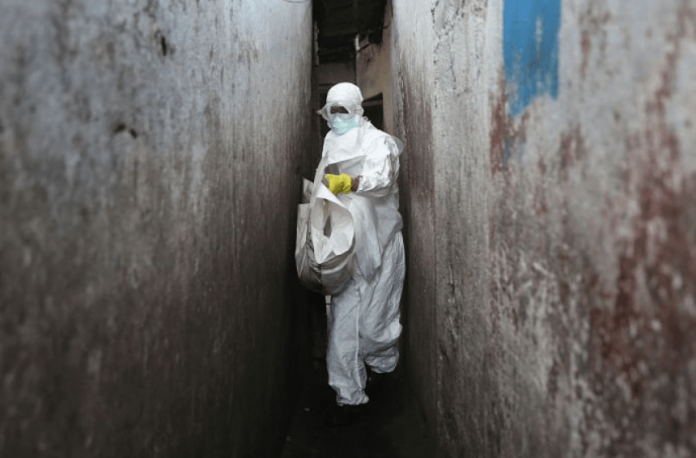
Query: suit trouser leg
x: 364, y: 326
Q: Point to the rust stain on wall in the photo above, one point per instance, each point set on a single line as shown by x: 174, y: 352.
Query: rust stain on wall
x: 645, y: 337
x: 499, y: 123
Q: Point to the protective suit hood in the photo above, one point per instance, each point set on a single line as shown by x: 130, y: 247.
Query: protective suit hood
x: 346, y: 95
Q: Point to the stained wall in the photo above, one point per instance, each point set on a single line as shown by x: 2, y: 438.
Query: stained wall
x: 412, y: 113
x: 151, y: 155
x: 549, y: 187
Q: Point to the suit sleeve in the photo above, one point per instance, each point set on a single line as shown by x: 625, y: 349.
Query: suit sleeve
x: 380, y: 170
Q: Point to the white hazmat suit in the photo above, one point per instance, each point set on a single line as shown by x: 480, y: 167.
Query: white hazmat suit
x: 364, y: 316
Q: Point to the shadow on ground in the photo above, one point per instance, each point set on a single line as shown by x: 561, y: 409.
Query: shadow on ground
x: 392, y: 426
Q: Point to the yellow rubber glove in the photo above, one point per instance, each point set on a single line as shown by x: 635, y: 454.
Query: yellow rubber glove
x: 339, y: 183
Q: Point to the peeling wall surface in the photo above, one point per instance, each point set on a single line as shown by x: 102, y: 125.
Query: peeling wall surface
x: 549, y: 194
x: 151, y: 155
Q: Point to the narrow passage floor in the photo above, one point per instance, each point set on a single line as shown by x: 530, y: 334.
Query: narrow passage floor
x: 391, y: 427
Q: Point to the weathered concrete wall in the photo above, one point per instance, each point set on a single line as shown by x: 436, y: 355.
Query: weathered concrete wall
x: 552, y: 223
x: 412, y: 107
x: 151, y: 155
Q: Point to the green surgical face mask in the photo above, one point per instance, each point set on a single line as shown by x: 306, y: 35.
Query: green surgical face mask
x: 341, y: 123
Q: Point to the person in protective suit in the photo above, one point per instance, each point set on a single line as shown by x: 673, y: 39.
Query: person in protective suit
x: 363, y: 318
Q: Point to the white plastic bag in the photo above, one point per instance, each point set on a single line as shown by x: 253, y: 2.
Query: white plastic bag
x: 325, y: 242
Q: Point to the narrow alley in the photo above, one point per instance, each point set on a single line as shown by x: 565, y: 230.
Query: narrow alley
x: 541, y: 175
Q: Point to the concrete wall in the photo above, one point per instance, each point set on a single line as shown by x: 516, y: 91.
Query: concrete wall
x: 412, y: 34
x: 549, y: 183
x: 151, y: 155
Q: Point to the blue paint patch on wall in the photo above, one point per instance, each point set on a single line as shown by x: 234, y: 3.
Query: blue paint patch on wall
x: 531, y: 50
